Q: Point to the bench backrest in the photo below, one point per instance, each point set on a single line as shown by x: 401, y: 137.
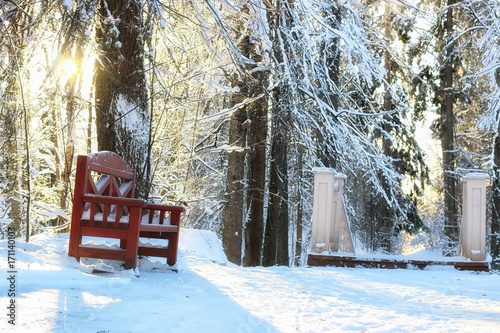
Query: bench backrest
x: 107, y: 174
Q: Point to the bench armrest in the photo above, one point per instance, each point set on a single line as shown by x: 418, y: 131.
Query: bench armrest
x: 168, y: 208
x: 175, y: 215
x: 102, y: 199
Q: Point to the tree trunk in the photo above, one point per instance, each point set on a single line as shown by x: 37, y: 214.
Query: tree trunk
x: 245, y: 183
x: 330, y: 50
x: 385, y: 220
x: 122, y: 113
x: 257, y: 135
x: 16, y: 29
x: 276, y: 236
x: 275, y: 250
x: 495, y: 216
x: 245, y: 188
x: 11, y: 159
x: 235, y: 186
x: 333, y: 55
x: 300, y: 212
x: 16, y: 33
x: 448, y: 136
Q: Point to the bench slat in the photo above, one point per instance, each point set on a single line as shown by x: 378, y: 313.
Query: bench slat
x: 102, y: 199
x: 105, y: 169
x: 153, y: 251
x: 158, y: 228
x: 104, y: 232
x: 92, y: 252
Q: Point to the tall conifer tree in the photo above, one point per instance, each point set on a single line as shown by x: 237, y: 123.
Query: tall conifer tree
x: 122, y: 112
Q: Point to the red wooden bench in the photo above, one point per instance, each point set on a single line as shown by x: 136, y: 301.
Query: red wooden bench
x: 104, y: 206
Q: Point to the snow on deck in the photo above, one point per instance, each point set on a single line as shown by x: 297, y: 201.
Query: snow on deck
x: 57, y: 294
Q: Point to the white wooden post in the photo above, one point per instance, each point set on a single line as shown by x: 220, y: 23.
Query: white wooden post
x: 322, y: 209
x: 338, y: 207
x: 473, y: 227
x: 330, y: 227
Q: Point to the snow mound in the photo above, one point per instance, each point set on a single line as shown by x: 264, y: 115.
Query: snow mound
x: 202, y: 244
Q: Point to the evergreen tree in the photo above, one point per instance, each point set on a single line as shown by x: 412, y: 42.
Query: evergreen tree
x: 246, y: 177
x: 276, y: 240
x: 122, y: 112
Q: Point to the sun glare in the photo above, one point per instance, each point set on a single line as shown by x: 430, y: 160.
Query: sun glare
x: 68, y: 67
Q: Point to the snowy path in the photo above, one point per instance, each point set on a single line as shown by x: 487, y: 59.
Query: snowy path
x: 325, y: 300
x: 207, y: 295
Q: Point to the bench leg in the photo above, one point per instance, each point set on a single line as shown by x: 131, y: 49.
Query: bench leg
x: 173, y: 243
x: 132, y: 241
x: 75, y: 239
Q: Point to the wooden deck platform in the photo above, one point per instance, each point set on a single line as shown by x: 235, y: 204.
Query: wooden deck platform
x: 389, y: 262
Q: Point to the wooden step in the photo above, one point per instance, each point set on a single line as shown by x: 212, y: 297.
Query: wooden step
x: 391, y: 263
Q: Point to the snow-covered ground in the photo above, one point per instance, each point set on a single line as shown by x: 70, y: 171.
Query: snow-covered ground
x: 207, y: 294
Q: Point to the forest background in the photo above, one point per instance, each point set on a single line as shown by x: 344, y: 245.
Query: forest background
x: 226, y: 106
